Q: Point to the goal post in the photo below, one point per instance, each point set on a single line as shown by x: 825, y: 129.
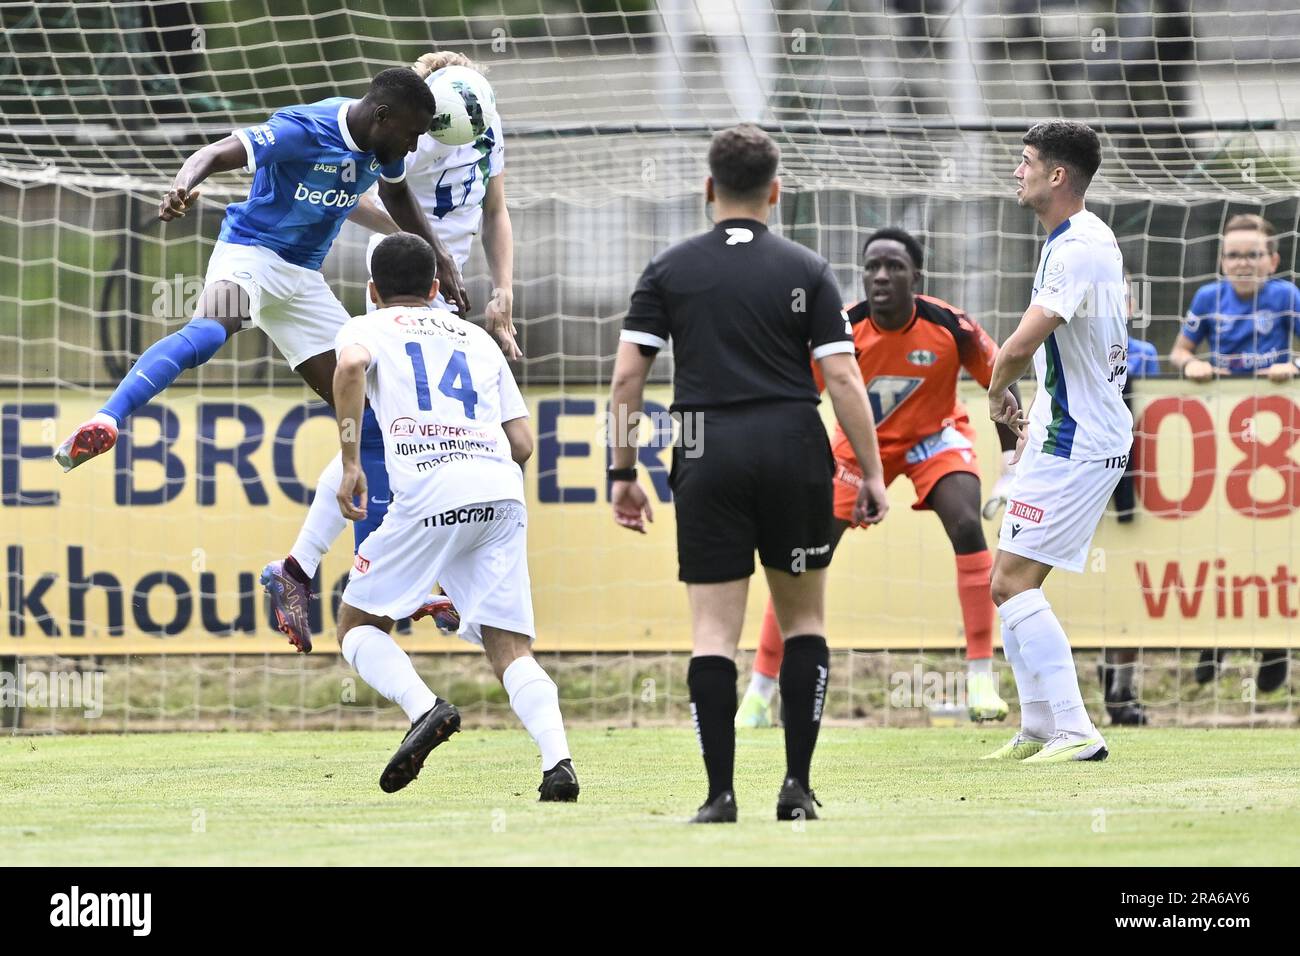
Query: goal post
x: 886, y: 114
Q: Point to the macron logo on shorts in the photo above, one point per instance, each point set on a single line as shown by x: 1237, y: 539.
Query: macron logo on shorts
x: 1018, y: 509
x: 361, y: 564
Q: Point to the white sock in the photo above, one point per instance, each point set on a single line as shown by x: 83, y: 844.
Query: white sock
x: 536, y: 700
x: 385, y: 667
x: 324, y: 520
x: 1046, y: 654
x: 1035, y: 716
x: 762, y: 685
x: 983, y: 665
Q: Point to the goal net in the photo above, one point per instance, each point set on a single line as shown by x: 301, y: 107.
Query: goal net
x: 143, y: 567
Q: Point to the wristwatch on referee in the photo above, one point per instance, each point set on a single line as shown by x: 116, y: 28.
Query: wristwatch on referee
x: 620, y: 474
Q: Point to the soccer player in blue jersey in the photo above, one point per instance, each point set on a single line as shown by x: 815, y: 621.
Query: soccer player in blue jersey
x: 311, y: 165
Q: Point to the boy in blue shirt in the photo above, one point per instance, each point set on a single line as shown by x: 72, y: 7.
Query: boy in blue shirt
x: 1247, y: 318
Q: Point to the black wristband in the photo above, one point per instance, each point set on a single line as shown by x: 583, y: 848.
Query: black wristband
x: 620, y: 474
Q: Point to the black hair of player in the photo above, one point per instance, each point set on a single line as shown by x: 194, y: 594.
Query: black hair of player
x: 742, y: 162
x: 401, y: 87
x: 1072, y: 145
x: 403, y: 264
x: 902, y: 236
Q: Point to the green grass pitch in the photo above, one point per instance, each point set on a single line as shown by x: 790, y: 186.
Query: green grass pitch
x: 892, y: 797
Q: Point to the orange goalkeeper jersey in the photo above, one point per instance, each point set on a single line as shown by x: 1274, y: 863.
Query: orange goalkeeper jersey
x: 911, y: 374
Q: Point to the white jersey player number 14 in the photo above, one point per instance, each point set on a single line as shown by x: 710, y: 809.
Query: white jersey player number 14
x: 440, y: 389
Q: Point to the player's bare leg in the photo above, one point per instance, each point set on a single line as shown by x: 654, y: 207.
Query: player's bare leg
x: 536, y: 701
x: 223, y: 308
x: 799, y: 601
x: 366, y: 643
x: 288, y: 581
x: 717, y: 617
x: 955, y: 498
x: 1045, y: 674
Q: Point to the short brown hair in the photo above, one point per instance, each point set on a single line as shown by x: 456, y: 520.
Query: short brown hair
x: 743, y: 161
x: 1249, y: 221
x: 433, y: 62
x: 1072, y: 145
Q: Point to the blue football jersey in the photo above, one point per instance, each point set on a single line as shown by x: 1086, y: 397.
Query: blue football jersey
x: 308, y: 174
x: 1244, y: 335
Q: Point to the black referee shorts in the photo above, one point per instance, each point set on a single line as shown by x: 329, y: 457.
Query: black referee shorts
x: 762, y: 480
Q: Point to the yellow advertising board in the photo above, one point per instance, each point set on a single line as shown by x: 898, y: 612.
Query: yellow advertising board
x: 156, y: 546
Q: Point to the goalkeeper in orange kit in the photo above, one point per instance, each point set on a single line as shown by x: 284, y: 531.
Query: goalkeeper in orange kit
x: 911, y: 349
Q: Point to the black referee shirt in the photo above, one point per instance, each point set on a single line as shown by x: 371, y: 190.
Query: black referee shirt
x: 744, y: 309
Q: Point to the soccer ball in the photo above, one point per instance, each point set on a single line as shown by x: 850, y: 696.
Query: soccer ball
x: 466, y: 105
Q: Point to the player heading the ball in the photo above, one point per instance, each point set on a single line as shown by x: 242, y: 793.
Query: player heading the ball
x: 455, y: 435
x: 311, y: 164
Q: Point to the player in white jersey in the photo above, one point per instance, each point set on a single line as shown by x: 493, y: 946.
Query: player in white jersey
x: 1075, y: 440
x: 460, y: 190
x: 455, y: 433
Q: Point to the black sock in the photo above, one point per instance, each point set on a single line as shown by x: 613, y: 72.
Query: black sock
x: 804, y: 673
x: 712, y: 681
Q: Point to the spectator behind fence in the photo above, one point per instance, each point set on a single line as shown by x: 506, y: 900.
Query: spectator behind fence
x: 1143, y: 359
x: 1249, y: 321
x: 1247, y: 318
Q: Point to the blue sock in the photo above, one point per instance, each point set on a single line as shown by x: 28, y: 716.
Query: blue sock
x: 372, y: 463
x: 161, y: 362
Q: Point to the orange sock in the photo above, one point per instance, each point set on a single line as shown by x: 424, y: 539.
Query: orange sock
x: 973, y: 571
x: 770, y: 646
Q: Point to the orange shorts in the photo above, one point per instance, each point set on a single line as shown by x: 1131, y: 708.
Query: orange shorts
x: 950, y: 450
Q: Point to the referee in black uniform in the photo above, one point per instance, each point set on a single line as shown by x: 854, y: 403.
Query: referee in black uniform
x: 744, y: 309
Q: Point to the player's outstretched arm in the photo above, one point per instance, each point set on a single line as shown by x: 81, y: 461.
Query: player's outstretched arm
x: 853, y: 411
x: 499, y: 248
x: 626, y: 400
x: 401, y: 204
x: 223, y: 156
x: 349, y: 406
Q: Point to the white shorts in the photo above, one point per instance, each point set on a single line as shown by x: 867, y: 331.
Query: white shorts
x: 437, y: 302
x: 478, y: 553
x: 1054, y: 506
x: 293, y: 305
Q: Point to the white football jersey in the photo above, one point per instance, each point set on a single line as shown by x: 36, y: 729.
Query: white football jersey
x: 450, y: 184
x: 440, y: 388
x: 1079, y: 412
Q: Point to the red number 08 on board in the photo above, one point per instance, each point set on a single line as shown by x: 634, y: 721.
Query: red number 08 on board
x: 1244, y: 427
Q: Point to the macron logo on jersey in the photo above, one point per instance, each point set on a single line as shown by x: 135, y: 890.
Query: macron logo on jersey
x: 739, y: 234
x: 338, y: 198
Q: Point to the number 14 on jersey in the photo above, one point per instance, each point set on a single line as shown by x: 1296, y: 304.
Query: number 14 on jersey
x: 455, y: 383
